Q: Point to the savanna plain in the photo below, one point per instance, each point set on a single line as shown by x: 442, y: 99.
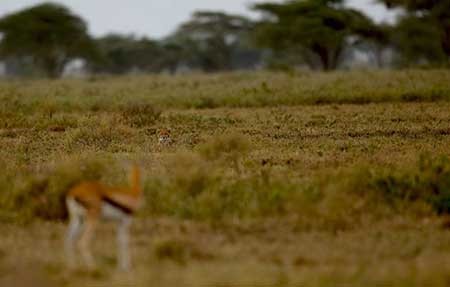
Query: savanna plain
x: 272, y: 179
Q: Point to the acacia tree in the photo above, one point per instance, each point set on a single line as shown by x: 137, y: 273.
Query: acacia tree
x: 317, y: 30
x: 49, y: 34
x: 123, y: 53
x: 423, y: 32
x: 215, y: 37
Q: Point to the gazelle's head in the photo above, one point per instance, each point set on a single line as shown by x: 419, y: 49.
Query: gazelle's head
x: 164, y: 137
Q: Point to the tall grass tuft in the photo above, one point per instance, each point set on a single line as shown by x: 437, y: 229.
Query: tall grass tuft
x: 140, y: 114
x: 230, y: 147
x: 41, y: 195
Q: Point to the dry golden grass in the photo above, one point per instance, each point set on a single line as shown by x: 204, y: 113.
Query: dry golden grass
x: 280, y: 180
x: 167, y: 252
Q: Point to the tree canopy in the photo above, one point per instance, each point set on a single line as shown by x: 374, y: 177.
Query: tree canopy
x: 322, y: 34
x: 49, y: 34
x: 318, y: 30
x: 122, y: 54
x: 217, y: 38
x: 423, y: 33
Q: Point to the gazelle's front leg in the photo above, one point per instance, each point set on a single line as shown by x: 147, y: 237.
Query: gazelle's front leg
x: 85, y: 241
x: 73, y: 232
x: 123, y: 255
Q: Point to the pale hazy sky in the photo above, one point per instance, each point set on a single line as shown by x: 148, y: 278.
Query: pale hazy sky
x: 158, y: 18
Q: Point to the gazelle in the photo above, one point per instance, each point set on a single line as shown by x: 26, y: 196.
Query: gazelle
x: 90, y: 201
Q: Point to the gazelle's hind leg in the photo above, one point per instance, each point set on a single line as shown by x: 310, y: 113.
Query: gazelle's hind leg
x: 123, y: 256
x: 73, y: 232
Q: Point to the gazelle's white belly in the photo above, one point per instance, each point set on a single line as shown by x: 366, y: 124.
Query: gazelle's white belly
x: 110, y: 212
x: 107, y: 211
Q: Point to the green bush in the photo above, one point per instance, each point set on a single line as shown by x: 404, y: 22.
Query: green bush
x: 428, y: 181
x: 195, y: 187
x: 198, y: 188
x: 33, y: 196
x: 231, y: 147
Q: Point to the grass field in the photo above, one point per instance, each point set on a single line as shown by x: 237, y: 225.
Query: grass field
x: 304, y: 179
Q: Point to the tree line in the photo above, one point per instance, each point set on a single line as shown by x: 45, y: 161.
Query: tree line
x: 317, y: 34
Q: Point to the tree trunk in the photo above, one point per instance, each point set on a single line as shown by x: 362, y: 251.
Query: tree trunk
x: 50, y: 67
x: 323, y: 54
x: 335, y: 57
x: 446, y: 41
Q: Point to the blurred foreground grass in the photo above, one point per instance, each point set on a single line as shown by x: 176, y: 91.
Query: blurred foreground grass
x: 279, y: 179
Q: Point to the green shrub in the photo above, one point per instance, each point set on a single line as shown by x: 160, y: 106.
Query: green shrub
x: 428, y: 181
x: 195, y: 187
x: 205, y: 102
x: 229, y: 147
x: 41, y: 196
x: 244, y: 198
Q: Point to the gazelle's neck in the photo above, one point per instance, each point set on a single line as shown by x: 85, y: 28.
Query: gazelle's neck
x: 135, y: 180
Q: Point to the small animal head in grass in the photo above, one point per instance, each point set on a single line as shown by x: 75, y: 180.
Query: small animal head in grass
x: 164, y: 137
